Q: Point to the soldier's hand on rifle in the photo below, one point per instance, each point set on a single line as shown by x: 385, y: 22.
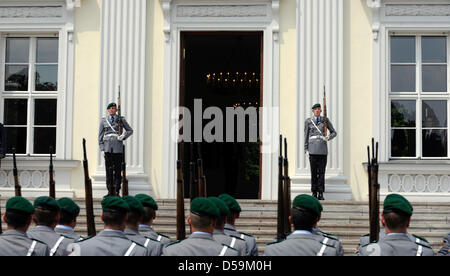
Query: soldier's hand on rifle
x: 121, y: 137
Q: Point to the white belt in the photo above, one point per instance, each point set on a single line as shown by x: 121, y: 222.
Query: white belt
x: 130, y: 249
x: 112, y: 135
x: 317, y: 137
x: 53, y: 251
x: 324, y: 246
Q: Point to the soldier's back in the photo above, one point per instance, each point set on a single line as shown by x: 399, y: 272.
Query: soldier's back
x: 397, y: 245
x: 16, y: 243
x: 148, y: 231
x: 232, y: 241
x: 444, y: 251
x: 301, y: 245
x: 68, y: 234
x: 56, y: 243
x: 332, y: 239
x: 251, y: 245
x: 199, y: 245
x: 109, y: 243
x: 153, y: 246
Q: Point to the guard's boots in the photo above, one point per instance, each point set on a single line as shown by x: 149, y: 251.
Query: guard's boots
x: 315, y: 194
x: 321, y: 196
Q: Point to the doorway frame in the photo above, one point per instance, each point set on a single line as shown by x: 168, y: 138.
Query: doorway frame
x: 216, y: 16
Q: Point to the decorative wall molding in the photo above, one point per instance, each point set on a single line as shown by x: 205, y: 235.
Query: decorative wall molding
x: 221, y: 10
x: 31, y: 12
x: 417, y: 10
x: 418, y: 183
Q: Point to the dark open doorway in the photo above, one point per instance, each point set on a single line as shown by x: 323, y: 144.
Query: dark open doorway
x: 223, y: 69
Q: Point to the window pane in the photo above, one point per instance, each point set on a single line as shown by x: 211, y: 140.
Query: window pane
x: 403, y: 78
x: 46, y: 77
x: 403, y: 113
x: 17, y: 50
x: 434, y: 78
x: 44, y: 137
x: 47, y: 50
x: 403, y: 49
x: 403, y: 143
x: 15, y: 112
x: 434, y: 143
x: 16, y: 78
x: 434, y: 49
x: 16, y: 137
x: 45, y: 112
x: 434, y: 113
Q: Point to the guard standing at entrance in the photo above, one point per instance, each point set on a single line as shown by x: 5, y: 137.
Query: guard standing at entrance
x: 111, y: 143
x: 316, y: 146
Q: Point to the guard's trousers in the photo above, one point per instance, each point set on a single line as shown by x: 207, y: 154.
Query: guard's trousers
x: 113, y: 164
x: 318, y: 164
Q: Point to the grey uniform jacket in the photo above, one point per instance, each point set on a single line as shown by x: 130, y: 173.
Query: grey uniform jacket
x: 148, y: 231
x: 252, y: 247
x: 55, y: 242
x: 315, y: 142
x: 109, y: 243
x: 16, y: 243
x: 68, y: 234
x: 446, y: 247
x: 108, y: 134
x: 234, y: 242
x: 153, y: 246
x: 199, y: 245
x: 301, y: 245
x: 332, y: 239
x: 397, y: 245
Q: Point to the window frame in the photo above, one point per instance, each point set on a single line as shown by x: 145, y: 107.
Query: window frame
x: 418, y: 96
x: 31, y: 94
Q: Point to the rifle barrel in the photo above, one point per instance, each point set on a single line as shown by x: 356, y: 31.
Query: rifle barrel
x: 17, y: 188
x: 88, y: 194
x: 181, y: 226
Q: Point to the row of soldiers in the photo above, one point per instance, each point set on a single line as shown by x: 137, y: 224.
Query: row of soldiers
x: 128, y: 230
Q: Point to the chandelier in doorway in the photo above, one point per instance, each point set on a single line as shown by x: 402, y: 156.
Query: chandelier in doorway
x: 233, y: 79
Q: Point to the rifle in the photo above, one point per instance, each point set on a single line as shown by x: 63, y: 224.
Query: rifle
x: 374, y: 198
x: 1, y: 219
x: 286, y: 192
x: 201, y: 176
x: 2, y: 143
x: 181, y: 226
x: 119, y: 113
x: 281, y: 225
x: 18, y: 189
x: 88, y: 193
x: 325, y: 127
x: 51, y: 183
x: 193, y: 181
x: 124, y: 175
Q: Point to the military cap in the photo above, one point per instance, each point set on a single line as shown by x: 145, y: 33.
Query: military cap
x: 115, y: 204
x: 204, y: 207
x: 20, y: 204
x: 69, y: 206
x: 147, y: 201
x: 396, y: 202
x: 112, y: 105
x: 135, y: 205
x: 223, y: 208
x: 316, y: 106
x: 47, y: 203
x: 232, y: 204
x: 308, y: 202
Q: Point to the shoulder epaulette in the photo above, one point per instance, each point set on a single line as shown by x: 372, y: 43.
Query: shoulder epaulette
x: 229, y: 247
x: 141, y: 245
x: 248, y: 235
x: 38, y: 241
x: 84, y: 239
x: 421, y: 238
x: 275, y: 242
x: 368, y: 244
x: 152, y: 239
x: 366, y: 235
x: 330, y: 236
x: 239, y: 238
x: 172, y: 243
x: 422, y: 241
x: 163, y: 235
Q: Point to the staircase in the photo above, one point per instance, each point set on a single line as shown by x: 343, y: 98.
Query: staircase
x: 347, y: 220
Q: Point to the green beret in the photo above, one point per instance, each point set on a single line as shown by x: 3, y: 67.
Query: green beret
x: 204, y: 207
x: 111, y: 105
x: 232, y: 204
x: 316, y: 106
x: 135, y: 205
x: 396, y: 202
x: 47, y: 203
x: 115, y: 204
x: 69, y: 206
x: 223, y: 208
x: 147, y: 201
x: 20, y: 204
x: 308, y: 202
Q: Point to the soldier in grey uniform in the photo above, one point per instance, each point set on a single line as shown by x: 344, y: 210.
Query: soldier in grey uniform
x: 111, y: 143
x: 202, y: 220
x: 317, y: 148
x: 46, y: 217
x: 219, y: 234
x: 112, y: 241
x: 68, y: 219
x: 145, y: 228
x: 230, y: 229
x: 131, y: 231
x: 14, y: 241
x: 445, y: 246
x: 395, y: 218
x: 302, y: 242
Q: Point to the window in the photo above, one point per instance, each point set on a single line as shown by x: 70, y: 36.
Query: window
x: 29, y: 93
x: 419, y: 96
